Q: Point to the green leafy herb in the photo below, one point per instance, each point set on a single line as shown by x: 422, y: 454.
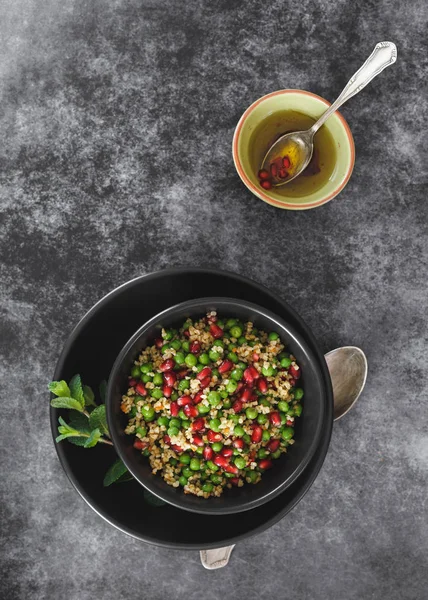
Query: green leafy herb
x: 98, y: 418
x: 89, y: 396
x: 63, y: 402
x: 59, y: 388
x: 152, y: 499
x: 77, y: 390
x: 116, y: 471
x: 93, y: 439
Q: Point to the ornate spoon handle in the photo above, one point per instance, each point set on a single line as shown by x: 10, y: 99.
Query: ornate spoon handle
x: 217, y: 558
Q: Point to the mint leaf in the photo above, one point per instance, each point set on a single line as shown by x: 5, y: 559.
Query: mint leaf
x: 103, y: 390
x: 93, y: 438
x: 152, y: 499
x: 98, y: 418
x: 59, y: 388
x: 78, y: 440
x: 116, y: 471
x: 79, y: 422
x: 63, y: 402
x: 89, y: 396
x: 124, y: 478
x: 76, y: 390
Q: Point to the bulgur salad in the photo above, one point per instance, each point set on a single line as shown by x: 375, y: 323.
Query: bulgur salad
x: 213, y: 404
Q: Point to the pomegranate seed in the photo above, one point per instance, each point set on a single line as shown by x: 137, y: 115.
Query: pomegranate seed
x: 205, y: 382
x: 294, y: 372
x: 214, y: 436
x: 169, y: 377
x: 246, y: 395
x: 198, y: 397
x: 266, y: 184
x: 177, y: 449
x: 248, y: 376
x: 167, y: 365
x: 263, y: 174
x: 184, y: 400
x: 186, y: 333
x: 182, y: 374
x: 234, y: 480
x: 231, y: 469
x: 198, y: 424
x: 253, y: 398
x: 256, y: 436
x: 238, y: 443
x: 132, y: 382
x: 252, y: 455
x: 290, y: 423
x: 206, y: 372
x: 198, y: 441
x: 211, y: 319
x: 140, y: 389
x: 275, y: 419
x: 273, y: 445
x: 273, y: 170
x: 139, y: 445
x: 286, y: 162
x: 195, y: 347
x: 282, y: 173
x: 292, y: 382
x: 216, y: 331
x: 225, y: 366
x: 158, y: 342
x: 254, y: 373
x: 256, y: 357
x: 237, y: 406
x: 167, y: 391
x: 220, y: 461
x: 265, y: 464
x: 240, y: 386
x: 174, y: 408
x: 208, y: 453
x: 227, y: 452
x: 190, y: 411
x: 167, y: 439
x: 262, y: 385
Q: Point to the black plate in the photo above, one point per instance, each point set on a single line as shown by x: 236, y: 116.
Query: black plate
x: 308, y: 427
x: 91, y: 351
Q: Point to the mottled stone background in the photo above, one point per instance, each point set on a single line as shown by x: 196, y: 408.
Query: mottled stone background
x: 116, y: 126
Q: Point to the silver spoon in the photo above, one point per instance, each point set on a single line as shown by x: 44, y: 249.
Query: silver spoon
x: 348, y: 372
x: 291, y: 153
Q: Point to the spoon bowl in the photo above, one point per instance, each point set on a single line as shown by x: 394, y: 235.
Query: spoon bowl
x: 348, y: 371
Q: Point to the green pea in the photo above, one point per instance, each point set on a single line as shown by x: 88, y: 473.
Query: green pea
x: 191, y: 360
x: 232, y: 356
x: 199, y: 450
x: 174, y: 422
x: 207, y: 487
x: 246, y: 438
x: 234, y: 418
x: 195, y: 464
x: 251, y: 413
x: 186, y: 472
x: 142, y: 431
x: 217, y: 446
x: 283, y: 406
x: 174, y: 396
x: 242, y: 365
x: 216, y: 372
x: 214, y: 355
x: 236, y: 331
x: 220, y: 323
x: 252, y: 476
x: 156, y: 393
x: 214, y: 424
x: 287, y: 433
x: 265, y: 435
x: 242, y: 340
x: 240, y: 462
x: 138, y: 398
x: 133, y: 411
x: 264, y: 401
x: 262, y: 453
x: 167, y: 334
x: 146, y: 452
x: 219, y: 343
x: 283, y: 418
x: 185, y: 424
x: 216, y: 479
x: 298, y: 393
x: 237, y: 375
x: 173, y: 461
x: 182, y: 414
x: 173, y: 431
x: 184, y: 384
x: 199, y: 368
x: 203, y: 409
x: 285, y: 362
x: 214, y: 398
x: 231, y: 386
x: 176, y: 344
x: 269, y: 371
x: 276, y: 454
x: 273, y: 336
x: 185, y: 458
x: 179, y: 358
x: 158, y: 379
x: 165, y: 347
x: 262, y: 419
x: 211, y: 466
x: 298, y: 410
x: 229, y: 475
x: 227, y: 403
x: 186, y: 346
x: 148, y: 413
x: 182, y: 481
x: 135, y: 372
x: 204, y: 359
x: 239, y: 431
x: 146, y: 378
x: 230, y: 323
x: 146, y: 368
x: 224, y: 394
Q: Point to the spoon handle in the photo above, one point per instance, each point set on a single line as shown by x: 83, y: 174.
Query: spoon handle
x: 384, y: 54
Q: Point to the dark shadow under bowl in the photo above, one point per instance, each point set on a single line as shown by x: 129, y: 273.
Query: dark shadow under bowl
x: 307, y: 431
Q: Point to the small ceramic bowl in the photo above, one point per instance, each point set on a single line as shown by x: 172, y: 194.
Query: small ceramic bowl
x: 313, y: 106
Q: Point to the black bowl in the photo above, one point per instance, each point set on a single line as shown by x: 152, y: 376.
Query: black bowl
x: 286, y: 469
x: 91, y: 349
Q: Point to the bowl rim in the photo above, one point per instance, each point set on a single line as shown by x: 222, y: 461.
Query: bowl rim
x: 259, y: 193
x: 61, y: 450
x: 118, y: 441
